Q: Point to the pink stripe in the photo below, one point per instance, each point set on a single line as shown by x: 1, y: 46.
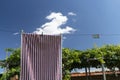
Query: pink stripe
x: 41, y: 57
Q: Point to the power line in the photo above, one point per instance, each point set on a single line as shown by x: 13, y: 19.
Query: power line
x: 81, y: 34
x: 8, y: 31
x: 90, y: 34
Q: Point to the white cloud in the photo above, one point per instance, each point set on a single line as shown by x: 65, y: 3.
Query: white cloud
x: 54, y: 26
x: 16, y: 33
x: 71, y: 14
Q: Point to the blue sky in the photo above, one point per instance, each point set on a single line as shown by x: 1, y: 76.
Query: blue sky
x: 90, y: 17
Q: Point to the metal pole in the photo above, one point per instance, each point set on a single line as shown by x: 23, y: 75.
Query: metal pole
x: 86, y: 73
x: 89, y: 72
x: 103, y: 70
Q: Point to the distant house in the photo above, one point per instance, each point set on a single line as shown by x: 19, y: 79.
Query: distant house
x: 96, y: 76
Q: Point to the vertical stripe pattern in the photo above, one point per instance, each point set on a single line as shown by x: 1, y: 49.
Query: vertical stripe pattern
x: 41, y: 57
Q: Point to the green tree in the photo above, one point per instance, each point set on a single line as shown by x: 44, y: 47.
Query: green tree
x: 12, y: 64
x: 69, y: 57
x: 112, y: 56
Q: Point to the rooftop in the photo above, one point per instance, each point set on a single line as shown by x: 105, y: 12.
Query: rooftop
x: 93, y: 73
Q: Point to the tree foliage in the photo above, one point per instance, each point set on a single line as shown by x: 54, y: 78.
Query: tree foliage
x: 12, y: 64
x: 69, y: 57
x: 72, y: 58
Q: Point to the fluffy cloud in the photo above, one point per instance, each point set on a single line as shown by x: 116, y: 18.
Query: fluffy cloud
x: 57, y: 20
x: 16, y: 33
x: 71, y: 14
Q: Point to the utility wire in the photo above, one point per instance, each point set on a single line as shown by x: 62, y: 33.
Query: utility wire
x: 85, y: 34
x: 8, y: 31
x: 92, y: 34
